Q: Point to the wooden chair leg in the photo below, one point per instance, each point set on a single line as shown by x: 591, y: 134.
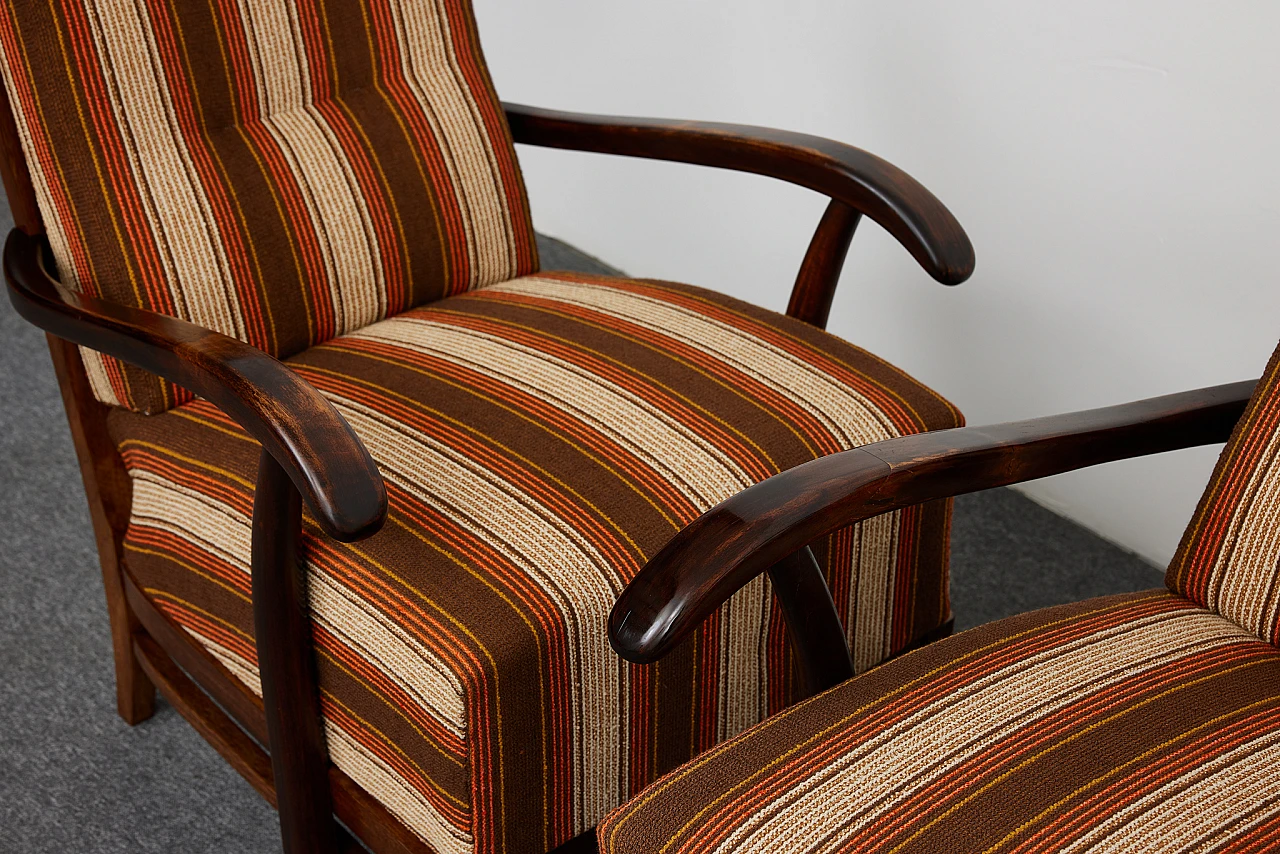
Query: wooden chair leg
x: 109, y: 491
x: 286, y: 661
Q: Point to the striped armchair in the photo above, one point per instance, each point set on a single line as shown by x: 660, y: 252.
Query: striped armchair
x: 285, y: 256
x: 1140, y: 722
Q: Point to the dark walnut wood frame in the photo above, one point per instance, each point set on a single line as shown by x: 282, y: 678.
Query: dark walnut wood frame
x: 311, y: 455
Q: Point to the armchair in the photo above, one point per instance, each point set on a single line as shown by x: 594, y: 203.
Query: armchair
x: 298, y: 321
x: 1143, y: 720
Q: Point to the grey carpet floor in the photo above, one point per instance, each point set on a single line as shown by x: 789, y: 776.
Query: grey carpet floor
x: 74, y: 777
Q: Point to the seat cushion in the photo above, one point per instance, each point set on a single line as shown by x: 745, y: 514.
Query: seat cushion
x: 540, y: 439
x: 1130, y: 723
x: 281, y: 171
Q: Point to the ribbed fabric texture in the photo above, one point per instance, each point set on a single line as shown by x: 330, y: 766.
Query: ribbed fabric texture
x: 1133, y: 723
x: 1229, y: 558
x: 282, y: 171
x: 540, y: 440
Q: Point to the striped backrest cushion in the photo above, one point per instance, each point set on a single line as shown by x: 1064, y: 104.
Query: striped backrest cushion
x: 282, y: 171
x: 1229, y: 558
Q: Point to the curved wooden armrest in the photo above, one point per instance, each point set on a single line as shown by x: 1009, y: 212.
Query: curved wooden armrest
x: 861, y: 180
x: 312, y: 442
x: 741, y: 537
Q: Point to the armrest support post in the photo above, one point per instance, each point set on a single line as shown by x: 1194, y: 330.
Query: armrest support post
x: 813, y: 624
x: 819, y: 274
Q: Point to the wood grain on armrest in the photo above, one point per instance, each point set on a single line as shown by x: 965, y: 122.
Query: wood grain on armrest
x: 864, y: 182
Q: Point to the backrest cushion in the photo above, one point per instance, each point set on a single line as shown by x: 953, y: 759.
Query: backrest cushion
x: 282, y: 171
x: 1229, y: 558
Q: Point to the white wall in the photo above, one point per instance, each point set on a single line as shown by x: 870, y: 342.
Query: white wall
x: 1115, y: 164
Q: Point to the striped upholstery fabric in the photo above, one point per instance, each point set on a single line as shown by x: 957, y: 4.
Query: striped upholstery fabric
x: 282, y: 171
x: 1131, y: 723
x: 1229, y: 559
x: 540, y: 439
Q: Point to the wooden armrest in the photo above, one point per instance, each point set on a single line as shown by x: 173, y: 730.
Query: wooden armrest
x: 732, y: 543
x: 861, y: 180
x: 299, y: 428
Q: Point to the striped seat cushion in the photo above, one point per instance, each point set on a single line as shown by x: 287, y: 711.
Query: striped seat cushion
x: 540, y: 440
x: 1131, y: 723
x: 1229, y: 558
x: 282, y: 171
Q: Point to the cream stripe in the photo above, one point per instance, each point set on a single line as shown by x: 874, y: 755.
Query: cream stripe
x: 1199, y: 810
x: 432, y: 71
x: 400, y: 657
x: 367, y: 770
x: 699, y: 470
x: 888, y: 768
x: 336, y: 207
x: 181, y: 218
x: 208, y: 523
x: 702, y: 472
x: 223, y: 532
x: 392, y: 791
x: 844, y: 412
x: 242, y: 669
x: 581, y: 584
x: 871, y: 590
x: 1245, y: 567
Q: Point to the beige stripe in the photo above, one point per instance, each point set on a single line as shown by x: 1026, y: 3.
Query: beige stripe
x: 408, y: 664
x: 871, y: 590
x: 432, y: 72
x: 889, y: 767
x: 574, y: 576
x: 179, y: 214
x: 1245, y: 567
x: 336, y: 207
x: 845, y: 413
x: 224, y: 533
x: 243, y: 669
x: 390, y: 789
x: 701, y: 471
x: 1200, y: 810
x: 366, y: 769
x: 95, y: 367
x: 211, y: 525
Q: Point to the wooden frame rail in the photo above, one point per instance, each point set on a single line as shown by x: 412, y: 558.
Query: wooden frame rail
x: 859, y: 183
x: 743, y: 536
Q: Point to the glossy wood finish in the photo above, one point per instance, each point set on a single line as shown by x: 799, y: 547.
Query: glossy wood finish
x: 743, y: 536
x: 109, y: 492
x: 866, y: 183
x: 813, y: 624
x: 819, y: 274
x: 286, y: 662
x: 302, y: 430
